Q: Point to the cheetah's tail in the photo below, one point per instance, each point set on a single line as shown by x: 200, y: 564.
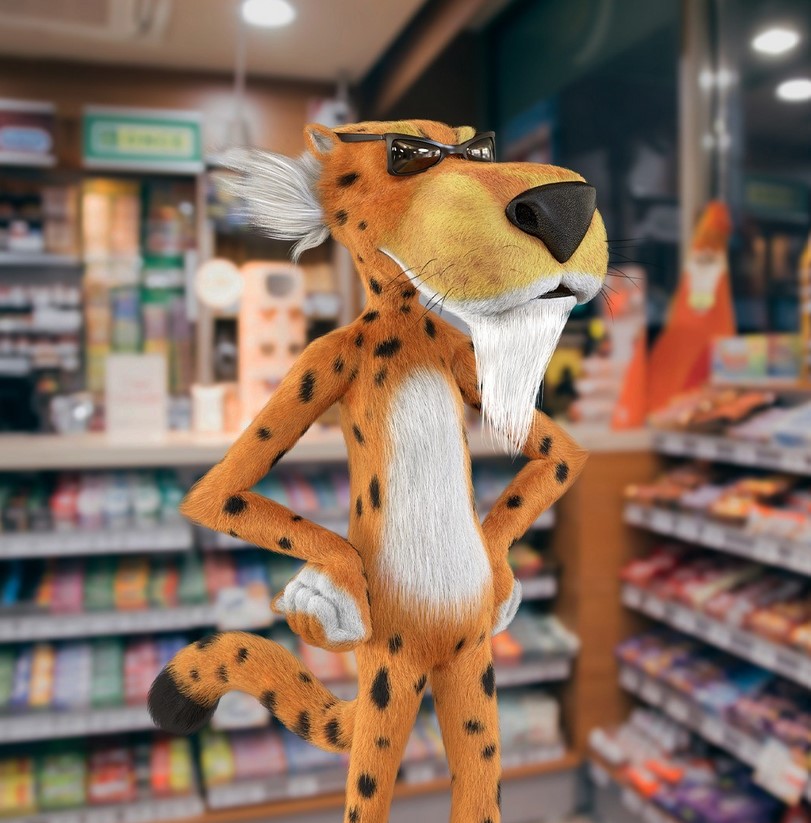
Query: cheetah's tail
x: 186, y: 692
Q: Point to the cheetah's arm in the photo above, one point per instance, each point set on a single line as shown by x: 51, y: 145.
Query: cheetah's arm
x: 555, y: 461
x: 222, y: 499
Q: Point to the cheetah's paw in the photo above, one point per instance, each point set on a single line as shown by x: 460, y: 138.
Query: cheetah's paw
x: 507, y: 610
x: 320, y: 612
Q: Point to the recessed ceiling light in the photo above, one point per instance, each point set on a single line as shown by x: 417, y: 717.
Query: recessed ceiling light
x: 796, y: 90
x: 776, y: 40
x: 268, y: 14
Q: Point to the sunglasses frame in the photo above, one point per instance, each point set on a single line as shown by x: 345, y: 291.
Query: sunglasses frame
x: 445, y: 149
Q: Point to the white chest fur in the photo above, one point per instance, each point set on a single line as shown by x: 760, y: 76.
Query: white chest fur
x: 432, y: 551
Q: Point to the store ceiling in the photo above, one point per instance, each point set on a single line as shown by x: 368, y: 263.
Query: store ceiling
x: 328, y: 37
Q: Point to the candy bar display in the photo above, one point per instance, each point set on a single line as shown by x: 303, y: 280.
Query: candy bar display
x: 748, y: 698
x: 667, y: 769
x: 94, y: 775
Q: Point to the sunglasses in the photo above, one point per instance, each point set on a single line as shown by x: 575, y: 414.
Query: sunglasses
x: 411, y: 155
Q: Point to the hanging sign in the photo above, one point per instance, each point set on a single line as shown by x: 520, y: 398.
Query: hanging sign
x: 157, y: 140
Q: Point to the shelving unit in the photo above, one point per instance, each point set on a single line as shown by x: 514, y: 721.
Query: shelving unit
x: 629, y: 800
x: 159, y: 808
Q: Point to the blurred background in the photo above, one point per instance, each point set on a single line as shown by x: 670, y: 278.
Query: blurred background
x: 660, y: 666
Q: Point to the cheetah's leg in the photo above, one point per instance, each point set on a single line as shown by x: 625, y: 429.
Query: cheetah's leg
x: 465, y: 702
x: 391, y: 684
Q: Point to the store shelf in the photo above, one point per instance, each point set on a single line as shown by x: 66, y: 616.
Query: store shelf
x: 415, y: 778
x: 98, y: 450
x: 39, y: 259
x: 710, y: 726
x: 632, y: 801
x: 543, y: 587
x: 51, y: 725
x: 141, y: 811
x: 174, y: 537
x: 22, y: 628
x: 738, y: 452
x: 768, y: 655
x: 787, y: 554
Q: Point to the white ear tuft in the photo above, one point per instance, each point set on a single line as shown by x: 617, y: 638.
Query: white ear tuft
x: 279, y: 195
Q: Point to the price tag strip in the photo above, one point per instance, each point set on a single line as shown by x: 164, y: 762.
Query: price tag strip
x: 51, y: 627
x: 539, y: 588
x: 137, y: 540
x: 786, y: 554
x: 775, y: 769
x: 727, y: 450
x: 780, y: 659
x: 44, y: 725
x: 142, y: 811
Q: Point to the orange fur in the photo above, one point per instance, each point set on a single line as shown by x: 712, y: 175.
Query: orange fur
x: 403, y: 648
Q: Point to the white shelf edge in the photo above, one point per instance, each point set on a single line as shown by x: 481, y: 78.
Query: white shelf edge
x: 42, y: 259
x: 773, y: 551
x: 737, y: 452
x: 690, y: 714
x: 145, y: 810
x: 776, y: 658
x: 53, y: 725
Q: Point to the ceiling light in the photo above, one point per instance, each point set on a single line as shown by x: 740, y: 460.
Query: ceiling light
x: 268, y: 14
x: 796, y: 90
x: 775, y: 40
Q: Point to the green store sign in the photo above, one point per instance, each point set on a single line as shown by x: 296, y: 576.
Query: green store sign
x: 142, y: 140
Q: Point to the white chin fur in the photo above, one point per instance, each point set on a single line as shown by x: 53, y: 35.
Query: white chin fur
x: 513, y: 350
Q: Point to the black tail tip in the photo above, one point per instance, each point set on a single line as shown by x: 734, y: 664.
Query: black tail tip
x: 172, y: 711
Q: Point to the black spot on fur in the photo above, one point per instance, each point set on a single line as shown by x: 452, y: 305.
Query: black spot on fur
x: 235, y: 505
x: 304, y: 677
x: 341, y: 217
x: 242, y: 655
x: 172, y: 711
x: 546, y: 445
x: 430, y: 327
x: 381, y: 689
x: 285, y: 543
x: 367, y: 785
x: 264, y: 433
x: 405, y: 308
x: 388, y: 348
x: 363, y: 225
x: 408, y: 293
x: 358, y: 434
x: 395, y: 643
x: 332, y: 731
x: 297, y: 518
x: 481, y: 638
x: 302, y: 727
x: 354, y: 815
x: 359, y: 339
x: 487, y: 820
x: 374, y: 492
x: 370, y: 316
x: 233, y: 533
x: 307, y: 387
x: 359, y: 506
x: 338, y: 365
x: 489, y: 680
x: 562, y: 472
x: 514, y: 501
x: 205, y: 642
x: 375, y: 286
x: 498, y: 794
x: 474, y: 727
x: 360, y: 259
x: 383, y: 743
x: 268, y: 700
x: 278, y: 457
x: 222, y: 672
x: 328, y: 704
x: 353, y: 374
x: 489, y: 752
x: 380, y: 377
x: 194, y: 675
x: 420, y: 684
x: 460, y: 645
x: 347, y: 179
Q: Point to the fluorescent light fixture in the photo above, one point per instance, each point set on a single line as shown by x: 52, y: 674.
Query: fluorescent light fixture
x: 776, y: 40
x: 796, y: 90
x: 268, y: 14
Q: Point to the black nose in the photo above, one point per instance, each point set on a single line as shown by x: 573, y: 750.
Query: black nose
x: 559, y: 214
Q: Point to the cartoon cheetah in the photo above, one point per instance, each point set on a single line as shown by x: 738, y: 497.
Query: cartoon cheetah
x: 421, y: 584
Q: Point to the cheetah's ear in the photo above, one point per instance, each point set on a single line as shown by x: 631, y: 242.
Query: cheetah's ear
x: 320, y: 139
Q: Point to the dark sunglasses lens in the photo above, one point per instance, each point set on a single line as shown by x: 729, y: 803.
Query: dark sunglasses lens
x: 482, y: 150
x: 410, y: 157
